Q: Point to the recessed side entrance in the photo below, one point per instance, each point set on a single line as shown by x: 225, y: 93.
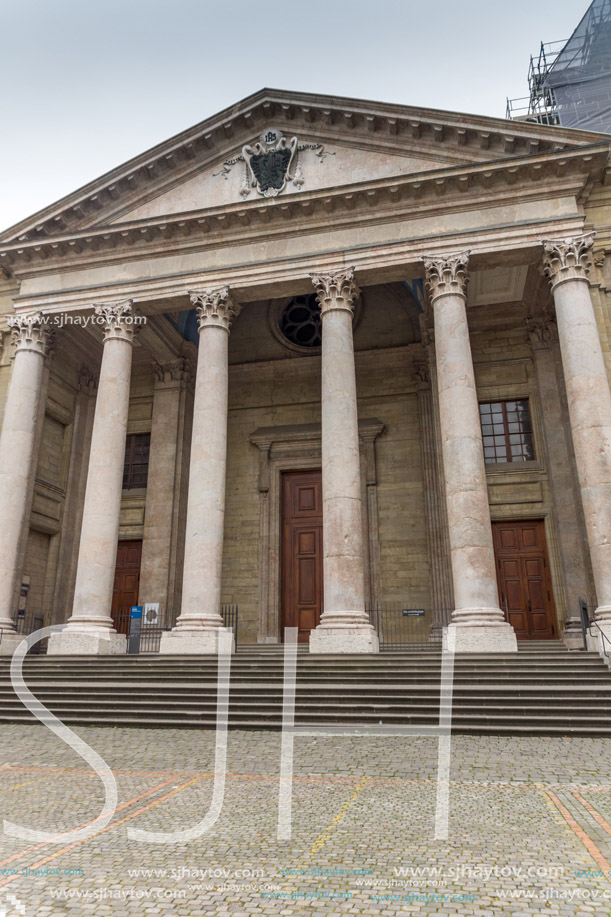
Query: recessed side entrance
x: 525, y: 588
x: 127, y: 581
x: 301, y: 551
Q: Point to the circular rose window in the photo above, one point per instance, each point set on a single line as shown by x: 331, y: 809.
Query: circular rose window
x: 300, y: 321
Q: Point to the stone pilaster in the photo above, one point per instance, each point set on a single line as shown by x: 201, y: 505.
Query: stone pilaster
x: 477, y: 621
x: 344, y: 626
x: 371, y: 525
x: 442, y: 596
x: 567, y: 263
x: 72, y: 519
x: 163, y: 488
x: 90, y: 629
x: 197, y: 628
x: 18, y: 442
x: 568, y: 516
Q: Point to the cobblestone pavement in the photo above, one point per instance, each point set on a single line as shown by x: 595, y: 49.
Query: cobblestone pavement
x: 529, y: 828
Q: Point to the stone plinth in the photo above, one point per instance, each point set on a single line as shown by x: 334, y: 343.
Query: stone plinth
x: 82, y: 643
x: 184, y: 642
x: 483, y: 638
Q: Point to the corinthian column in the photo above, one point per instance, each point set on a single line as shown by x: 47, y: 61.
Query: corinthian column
x: 197, y: 628
x: 17, y: 460
x: 477, y: 621
x: 90, y: 629
x: 344, y: 626
x: 567, y: 264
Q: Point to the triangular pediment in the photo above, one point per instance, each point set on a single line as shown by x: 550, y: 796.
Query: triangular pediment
x: 317, y: 165
x: 340, y: 142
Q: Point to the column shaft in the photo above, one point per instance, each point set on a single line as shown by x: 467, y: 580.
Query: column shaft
x: 197, y: 628
x: 18, y: 461
x: 344, y: 625
x: 477, y: 621
x: 90, y: 629
x: 567, y: 263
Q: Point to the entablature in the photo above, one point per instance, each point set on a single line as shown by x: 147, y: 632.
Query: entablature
x: 408, y: 197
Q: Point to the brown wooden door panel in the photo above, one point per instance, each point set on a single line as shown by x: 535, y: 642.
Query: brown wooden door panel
x: 536, y: 595
x: 301, y: 560
x: 530, y: 536
x: 523, y: 578
x: 507, y: 537
x: 127, y: 581
x: 512, y: 599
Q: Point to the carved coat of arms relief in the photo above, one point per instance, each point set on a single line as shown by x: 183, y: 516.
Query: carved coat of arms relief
x: 271, y: 163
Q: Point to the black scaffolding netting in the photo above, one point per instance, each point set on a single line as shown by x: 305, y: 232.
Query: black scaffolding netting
x: 580, y: 77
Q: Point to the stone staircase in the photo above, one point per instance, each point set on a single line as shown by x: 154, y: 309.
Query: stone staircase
x: 541, y: 690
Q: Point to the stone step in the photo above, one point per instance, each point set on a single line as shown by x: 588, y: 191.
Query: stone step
x: 569, y: 664
x: 539, y: 693
x: 541, y: 729
x: 493, y: 725
x: 173, y: 709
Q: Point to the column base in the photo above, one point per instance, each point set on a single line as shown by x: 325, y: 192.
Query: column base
x: 357, y: 638
x: 572, y: 636
x: 81, y: 643
x: 182, y: 642
x: 482, y: 638
x: 9, y: 641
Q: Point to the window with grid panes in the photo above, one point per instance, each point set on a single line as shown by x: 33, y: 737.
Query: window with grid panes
x: 507, y: 431
x: 136, y: 467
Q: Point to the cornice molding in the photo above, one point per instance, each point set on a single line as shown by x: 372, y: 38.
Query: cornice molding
x: 440, y: 190
x: 338, y: 117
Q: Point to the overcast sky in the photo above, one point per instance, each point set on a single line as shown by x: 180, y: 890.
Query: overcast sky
x: 87, y: 84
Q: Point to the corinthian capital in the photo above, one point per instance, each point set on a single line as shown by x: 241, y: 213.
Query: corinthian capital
x: 31, y: 331
x: 172, y: 371
x: 117, y: 319
x: 215, y: 306
x: 567, y: 259
x: 541, y: 332
x: 446, y: 274
x: 336, y: 290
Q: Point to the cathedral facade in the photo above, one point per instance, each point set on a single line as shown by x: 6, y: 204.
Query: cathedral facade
x: 314, y: 358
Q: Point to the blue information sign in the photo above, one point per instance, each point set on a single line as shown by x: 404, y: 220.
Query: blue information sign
x: 135, y: 624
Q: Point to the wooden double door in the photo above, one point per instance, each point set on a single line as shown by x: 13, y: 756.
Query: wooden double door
x: 525, y: 589
x: 301, y: 552
x: 127, y: 582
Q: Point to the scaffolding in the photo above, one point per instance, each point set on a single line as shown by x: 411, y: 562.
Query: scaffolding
x: 570, y: 81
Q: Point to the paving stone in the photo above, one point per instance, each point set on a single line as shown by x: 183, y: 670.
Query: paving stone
x: 363, y: 831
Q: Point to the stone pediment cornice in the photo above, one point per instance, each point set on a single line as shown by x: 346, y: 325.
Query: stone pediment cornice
x: 397, y: 128
x: 435, y: 191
